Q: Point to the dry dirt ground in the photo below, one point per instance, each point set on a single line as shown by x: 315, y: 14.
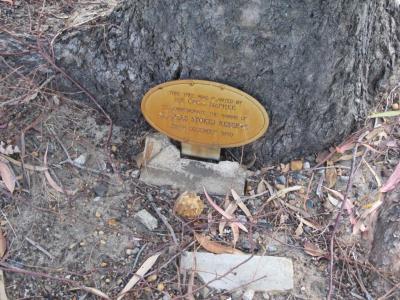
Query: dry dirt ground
x: 71, y: 225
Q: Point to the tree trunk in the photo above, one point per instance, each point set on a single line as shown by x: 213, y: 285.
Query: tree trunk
x: 315, y: 65
x: 385, y: 252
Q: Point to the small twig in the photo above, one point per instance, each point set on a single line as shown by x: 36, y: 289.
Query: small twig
x: 5, y: 217
x: 26, y: 166
x: 308, y: 192
x: 138, y: 255
x: 339, y: 214
x: 389, y: 292
x: 163, y: 218
x: 36, y: 245
x: 72, y: 162
x: 191, y: 280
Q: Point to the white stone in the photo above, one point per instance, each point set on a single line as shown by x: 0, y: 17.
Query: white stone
x: 81, y: 159
x: 166, y: 167
x: 257, y: 273
x: 248, y: 295
x: 144, y: 217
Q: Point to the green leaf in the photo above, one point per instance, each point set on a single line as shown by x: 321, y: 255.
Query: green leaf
x: 391, y: 113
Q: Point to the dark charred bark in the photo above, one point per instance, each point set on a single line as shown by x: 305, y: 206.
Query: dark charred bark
x: 315, y: 65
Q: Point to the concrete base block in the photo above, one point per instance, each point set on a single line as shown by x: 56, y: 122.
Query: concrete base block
x: 258, y: 273
x: 166, y: 167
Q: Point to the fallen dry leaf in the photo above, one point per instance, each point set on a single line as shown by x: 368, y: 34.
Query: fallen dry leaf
x: 242, y: 206
x: 364, y: 219
x: 235, y: 233
x: 96, y: 292
x: 51, y: 181
x: 222, y: 212
x: 3, y: 295
x: 296, y: 165
x: 144, y: 268
x: 112, y: 222
x: 215, y: 247
x: 344, y: 147
x: 8, y: 1
x: 148, y: 152
x: 330, y: 175
x: 335, y: 202
x: 7, y: 176
x: 285, y: 168
x: 299, y: 230
x: 230, y: 208
x: 348, y: 156
x: 322, y: 156
x: 90, y: 290
x: 283, y: 218
x: 3, y: 248
x: 348, y: 205
x: 3, y: 245
x: 308, y: 223
x: 393, y: 180
x: 313, y: 250
x: 261, y: 187
x: 385, y: 114
x: 283, y: 192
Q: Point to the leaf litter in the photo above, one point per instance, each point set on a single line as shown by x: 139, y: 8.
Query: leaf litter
x: 7, y: 176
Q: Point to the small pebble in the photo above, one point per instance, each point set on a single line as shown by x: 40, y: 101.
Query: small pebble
x: 296, y: 165
x: 307, y: 165
x: 108, y: 280
x: 100, y: 189
x: 131, y: 251
x: 205, y: 291
x: 144, y: 217
x: 101, y: 232
x: 395, y: 106
x: 166, y: 297
x: 160, y: 287
x: 309, y: 203
x: 98, y: 214
x: 237, y: 295
x: 248, y: 295
x: 152, y: 278
x: 81, y: 159
x: 135, y: 174
x: 114, y: 148
x: 272, y: 248
x: 103, y: 242
x: 103, y: 264
x: 281, y: 180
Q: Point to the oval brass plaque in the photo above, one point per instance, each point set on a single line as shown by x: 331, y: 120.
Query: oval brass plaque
x: 205, y: 113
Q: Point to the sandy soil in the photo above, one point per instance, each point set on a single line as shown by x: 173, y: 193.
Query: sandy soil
x: 85, y: 234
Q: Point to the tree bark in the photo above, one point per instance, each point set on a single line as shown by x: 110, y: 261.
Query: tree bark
x: 385, y: 251
x: 316, y: 66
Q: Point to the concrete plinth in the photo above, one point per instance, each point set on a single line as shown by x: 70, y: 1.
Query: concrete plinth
x: 233, y: 271
x: 166, y: 167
